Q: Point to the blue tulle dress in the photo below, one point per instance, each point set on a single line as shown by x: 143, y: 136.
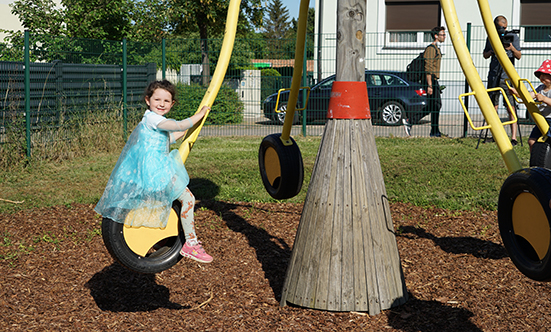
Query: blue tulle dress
x: 146, y: 179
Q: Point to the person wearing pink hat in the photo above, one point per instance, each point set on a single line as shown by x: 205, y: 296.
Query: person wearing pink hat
x: 543, y: 95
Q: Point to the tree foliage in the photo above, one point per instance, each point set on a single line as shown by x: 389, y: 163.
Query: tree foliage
x: 208, y: 17
x: 310, y: 31
x: 277, y: 22
x: 39, y: 16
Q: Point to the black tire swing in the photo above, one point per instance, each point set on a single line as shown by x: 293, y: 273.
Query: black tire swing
x: 279, y: 158
x: 281, y: 167
x: 540, y: 155
x: 524, y: 215
x: 161, y: 256
x: 152, y: 250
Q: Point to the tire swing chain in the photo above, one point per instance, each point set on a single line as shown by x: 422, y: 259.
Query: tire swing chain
x: 279, y: 158
x: 297, y: 74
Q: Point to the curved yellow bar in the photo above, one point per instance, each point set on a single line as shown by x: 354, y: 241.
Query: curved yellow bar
x: 297, y: 73
x: 307, y: 88
x: 509, y: 68
x: 217, y: 77
x: 520, y: 101
x: 484, y: 101
x: 461, y: 96
x: 140, y: 239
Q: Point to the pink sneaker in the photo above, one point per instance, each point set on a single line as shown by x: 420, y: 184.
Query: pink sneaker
x: 196, y: 252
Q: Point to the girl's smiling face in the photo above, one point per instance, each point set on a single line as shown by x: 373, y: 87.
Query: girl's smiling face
x: 160, y: 101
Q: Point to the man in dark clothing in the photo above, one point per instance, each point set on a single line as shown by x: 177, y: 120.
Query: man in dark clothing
x: 433, y: 57
x: 496, y: 74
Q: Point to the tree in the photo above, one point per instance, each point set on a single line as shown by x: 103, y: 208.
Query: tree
x: 310, y: 30
x: 276, y: 31
x: 150, y: 21
x: 277, y: 24
x: 98, y: 19
x: 208, y: 17
x: 39, y: 16
x: 140, y: 20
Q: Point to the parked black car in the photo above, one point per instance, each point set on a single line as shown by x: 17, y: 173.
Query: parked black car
x: 391, y: 98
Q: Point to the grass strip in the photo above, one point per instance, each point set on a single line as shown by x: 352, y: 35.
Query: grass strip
x: 446, y: 173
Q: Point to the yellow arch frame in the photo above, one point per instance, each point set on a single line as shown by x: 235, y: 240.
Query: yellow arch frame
x: 141, y: 239
x: 479, y: 91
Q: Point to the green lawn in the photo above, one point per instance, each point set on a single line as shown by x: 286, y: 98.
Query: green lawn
x: 447, y: 173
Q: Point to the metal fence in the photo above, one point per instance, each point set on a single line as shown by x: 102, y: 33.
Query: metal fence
x: 257, y: 69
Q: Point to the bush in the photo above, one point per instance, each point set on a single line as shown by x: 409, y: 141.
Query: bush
x: 227, y: 107
x: 271, y: 82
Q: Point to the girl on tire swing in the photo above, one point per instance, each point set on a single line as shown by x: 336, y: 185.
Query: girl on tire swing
x: 147, y: 178
x: 543, y: 95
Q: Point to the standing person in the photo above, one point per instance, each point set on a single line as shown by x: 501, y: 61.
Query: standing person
x: 543, y: 95
x: 433, y: 57
x: 148, y: 178
x: 496, y: 74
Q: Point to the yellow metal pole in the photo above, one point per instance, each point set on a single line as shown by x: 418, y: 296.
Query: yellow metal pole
x: 484, y: 101
x: 297, y: 72
x: 509, y: 68
x: 217, y: 78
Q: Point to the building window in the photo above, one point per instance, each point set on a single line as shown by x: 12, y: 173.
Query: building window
x: 408, y: 22
x: 534, y: 18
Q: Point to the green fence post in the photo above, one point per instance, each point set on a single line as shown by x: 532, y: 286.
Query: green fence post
x: 465, y: 120
x: 164, y: 58
x: 304, y: 72
x: 28, y: 93
x: 124, y: 90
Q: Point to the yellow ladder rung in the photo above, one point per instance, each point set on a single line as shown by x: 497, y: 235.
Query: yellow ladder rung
x: 520, y: 101
x: 296, y: 109
x: 461, y: 96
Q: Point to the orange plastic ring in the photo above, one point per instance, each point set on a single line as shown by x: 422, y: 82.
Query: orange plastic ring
x: 348, y: 101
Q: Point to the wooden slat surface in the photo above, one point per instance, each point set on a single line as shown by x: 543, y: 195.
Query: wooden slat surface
x: 345, y: 256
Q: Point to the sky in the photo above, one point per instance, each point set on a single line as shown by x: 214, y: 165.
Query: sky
x: 293, y: 7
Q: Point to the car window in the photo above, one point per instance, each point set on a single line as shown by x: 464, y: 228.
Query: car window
x: 374, y: 80
x: 327, y: 84
x: 393, y: 80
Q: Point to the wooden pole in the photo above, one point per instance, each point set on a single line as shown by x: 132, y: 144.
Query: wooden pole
x: 345, y: 256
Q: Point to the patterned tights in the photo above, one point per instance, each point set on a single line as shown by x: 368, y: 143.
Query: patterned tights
x: 186, y: 215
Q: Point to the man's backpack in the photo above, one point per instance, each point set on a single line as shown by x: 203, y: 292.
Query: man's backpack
x: 416, y: 68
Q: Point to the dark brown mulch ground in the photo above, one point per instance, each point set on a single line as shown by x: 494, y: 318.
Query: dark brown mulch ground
x: 57, y: 275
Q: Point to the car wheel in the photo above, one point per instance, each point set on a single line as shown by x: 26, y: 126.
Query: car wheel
x: 392, y: 113
x: 280, y: 115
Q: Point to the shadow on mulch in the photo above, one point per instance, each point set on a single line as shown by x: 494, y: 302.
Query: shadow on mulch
x: 118, y: 289
x: 272, y: 252
x: 419, y: 315
x: 459, y: 245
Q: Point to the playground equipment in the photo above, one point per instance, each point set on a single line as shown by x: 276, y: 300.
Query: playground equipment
x: 345, y: 256
x: 279, y: 157
x: 152, y: 250
x: 524, y: 210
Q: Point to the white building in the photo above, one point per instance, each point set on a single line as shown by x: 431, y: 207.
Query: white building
x: 396, y: 33
x: 9, y: 21
x: 397, y: 26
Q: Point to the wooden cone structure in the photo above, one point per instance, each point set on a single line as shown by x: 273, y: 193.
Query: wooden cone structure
x: 345, y: 256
